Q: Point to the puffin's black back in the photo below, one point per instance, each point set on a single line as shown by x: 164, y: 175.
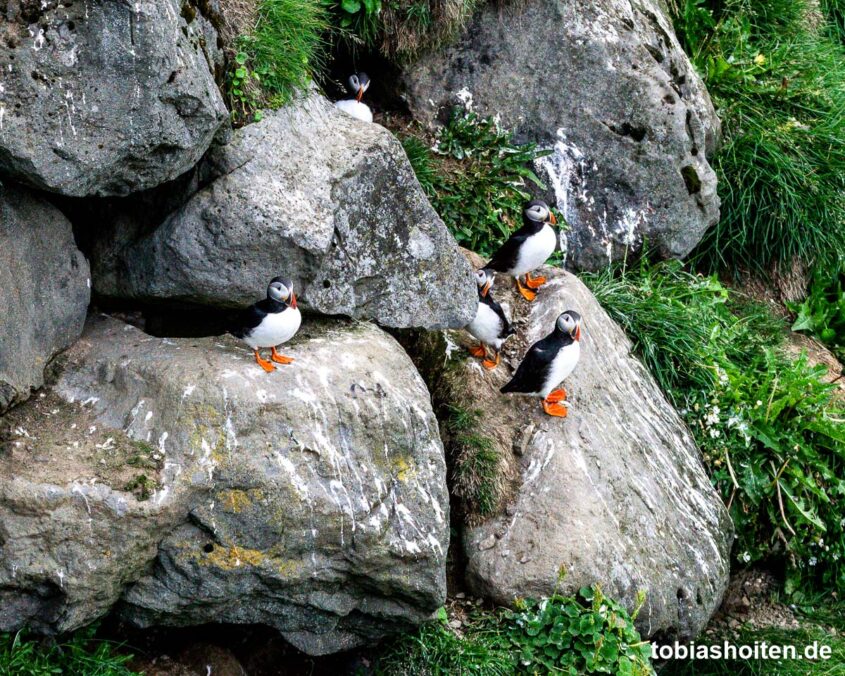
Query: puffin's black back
x: 254, y: 315
x: 535, y: 366
x: 505, y: 258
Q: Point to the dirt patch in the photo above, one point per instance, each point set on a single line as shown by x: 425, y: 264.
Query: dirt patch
x: 51, y: 440
x: 751, y: 600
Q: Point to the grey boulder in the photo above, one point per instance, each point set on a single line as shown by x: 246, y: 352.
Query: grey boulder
x: 311, y: 193
x: 177, y: 478
x: 615, y: 493
x: 45, y: 286
x: 104, y: 97
x: 607, y: 88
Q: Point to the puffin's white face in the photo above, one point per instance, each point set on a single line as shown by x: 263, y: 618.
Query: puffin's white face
x: 484, y: 281
x: 539, y: 212
x: 358, y: 84
x: 570, y: 322
x: 280, y: 290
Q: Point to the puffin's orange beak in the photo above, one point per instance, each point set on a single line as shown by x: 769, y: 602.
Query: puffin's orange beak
x: 486, y: 288
x: 360, y: 94
x: 577, y: 335
x: 552, y: 218
x: 293, y: 300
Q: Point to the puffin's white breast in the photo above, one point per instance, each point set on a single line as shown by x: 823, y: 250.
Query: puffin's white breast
x: 563, y: 364
x: 356, y: 109
x: 535, y: 250
x: 275, y: 329
x: 486, y: 326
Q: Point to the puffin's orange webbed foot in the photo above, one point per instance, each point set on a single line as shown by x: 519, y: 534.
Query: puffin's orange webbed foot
x: 527, y: 294
x: 263, y: 363
x: 491, y: 363
x: 534, y: 282
x: 478, y: 351
x: 554, y: 409
x: 280, y: 358
x: 556, y: 396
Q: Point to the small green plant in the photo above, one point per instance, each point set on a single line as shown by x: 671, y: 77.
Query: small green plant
x: 141, y: 486
x: 477, y: 178
x: 23, y: 655
x: 822, y: 313
x: 586, y: 634
x: 362, y: 18
x: 779, y: 87
x: 280, y: 57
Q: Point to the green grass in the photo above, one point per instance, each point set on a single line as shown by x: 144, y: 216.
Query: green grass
x: 822, y: 312
x: 283, y: 53
x: 583, y: 634
x: 81, y: 654
x: 770, y: 431
x: 779, y: 88
x: 400, y: 30
x: 834, y: 12
x: 475, y: 467
x: 477, y: 178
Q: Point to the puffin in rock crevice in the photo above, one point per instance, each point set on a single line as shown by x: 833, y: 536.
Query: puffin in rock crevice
x: 528, y: 248
x: 357, y: 84
x: 490, y: 324
x: 548, y: 363
x: 270, y: 322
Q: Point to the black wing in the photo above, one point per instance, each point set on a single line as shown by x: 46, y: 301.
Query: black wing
x: 534, y: 369
x: 505, y: 258
x: 254, y: 315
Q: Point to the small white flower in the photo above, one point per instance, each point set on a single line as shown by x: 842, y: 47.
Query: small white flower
x: 746, y: 557
x: 759, y: 403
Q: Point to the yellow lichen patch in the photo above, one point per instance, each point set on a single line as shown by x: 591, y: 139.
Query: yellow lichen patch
x: 236, y: 500
x: 231, y: 558
x: 403, y: 470
x: 287, y: 567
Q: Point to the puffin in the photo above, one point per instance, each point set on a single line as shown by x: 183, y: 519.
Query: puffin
x: 490, y: 324
x: 549, y: 362
x: 528, y: 248
x: 357, y: 84
x: 270, y: 322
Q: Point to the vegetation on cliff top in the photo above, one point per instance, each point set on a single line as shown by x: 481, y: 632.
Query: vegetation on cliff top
x: 477, y: 178
x: 770, y: 429
x: 777, y: 78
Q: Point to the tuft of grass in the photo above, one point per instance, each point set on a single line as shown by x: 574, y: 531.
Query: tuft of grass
x: 477, y: 178
x: 779, y: 87
x: 435, y: 650
x: 771, y: 433
x: 681, y: 323
x: 82, y: 653
x: 280, y: 56
x: 834, y: 12
x: 400, y: 30
x: 477, y: 478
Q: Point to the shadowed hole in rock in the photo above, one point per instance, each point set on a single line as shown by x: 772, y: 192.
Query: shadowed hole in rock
x: 691, y: 179
x: 326, y: 284
x: 208, y: 548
